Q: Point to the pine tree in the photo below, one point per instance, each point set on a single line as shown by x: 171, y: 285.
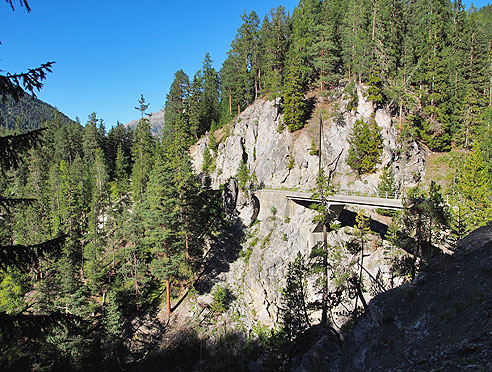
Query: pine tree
x: 387, y: 188
x: 176, y: 101
x: 294, y: 107
x: 305, y: 18
x: 241, y: 73
x: 295, y: 318
x: 142, y: 154
x: 209, y: 100
x: 325, y: 48
x: 161, y: 227
x: 361, y: 232
x: 275, y: 35
x: 355, y: 42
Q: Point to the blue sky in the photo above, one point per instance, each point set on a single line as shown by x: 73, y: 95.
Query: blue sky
x: 109, y: 52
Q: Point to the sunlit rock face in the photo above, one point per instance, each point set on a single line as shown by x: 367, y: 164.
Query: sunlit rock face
x: 278, y: 159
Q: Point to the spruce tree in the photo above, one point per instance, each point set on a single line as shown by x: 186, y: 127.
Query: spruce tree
x: 294, y: 107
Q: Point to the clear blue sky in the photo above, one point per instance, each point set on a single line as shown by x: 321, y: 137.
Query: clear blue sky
x: 108, y: 52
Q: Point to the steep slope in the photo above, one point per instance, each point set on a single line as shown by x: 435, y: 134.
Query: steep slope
x: 30, y: 113
x: 442, y: 321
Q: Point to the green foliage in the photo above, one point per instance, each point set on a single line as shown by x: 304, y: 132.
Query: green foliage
x: 280, y: 127
x: 423, y: 225
x: 243, y: 175
x: 374, y: 90
x: 221, y: 299
x: 350, y: 93
x: 294, y: 107
x: 472, y: 207
x: 12, y: 291
x: 314, y: 151
x: 291, y: 163
x: 386, y: 188
x: 294, y: 315
x: 366, y: 146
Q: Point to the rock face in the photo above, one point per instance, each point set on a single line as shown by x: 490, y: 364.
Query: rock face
x: 442, y: 321
x: 276, y: 159
x: 156, y: 123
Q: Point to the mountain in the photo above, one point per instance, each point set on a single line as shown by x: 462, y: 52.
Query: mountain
x: 156, y: 122
x: 29, y: 113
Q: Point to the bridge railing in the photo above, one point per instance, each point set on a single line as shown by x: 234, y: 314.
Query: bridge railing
x: 369, y: 194
x: 342, y: 192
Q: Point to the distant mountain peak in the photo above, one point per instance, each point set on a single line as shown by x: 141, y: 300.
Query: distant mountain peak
x: 156, y: 122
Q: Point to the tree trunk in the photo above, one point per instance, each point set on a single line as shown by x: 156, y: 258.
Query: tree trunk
x: 168, y: 297
x: 324, y: 299
x: 230, y: 103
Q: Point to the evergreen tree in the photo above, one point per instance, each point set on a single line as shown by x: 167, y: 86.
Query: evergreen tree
x: 294, y: 107
x: 209, y: 100
x: 176, y: 101
x: 325, y: 47
x: 162, y: 229
x: 473, y: 191
x: 275, y: 35
x: 387, y: 188
x: 241, y: 72
x: 295, y: 318
x: 304, y: 21
x: 355, y: 43
x: 366, y: 146
x: 142, y: 154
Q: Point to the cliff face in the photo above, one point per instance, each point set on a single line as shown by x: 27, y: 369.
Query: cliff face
x: 256, y: 139
x: 277, y: 159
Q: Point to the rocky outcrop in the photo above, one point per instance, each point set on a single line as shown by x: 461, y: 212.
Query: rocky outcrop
x: 442, y: 321
x: 277, y: 158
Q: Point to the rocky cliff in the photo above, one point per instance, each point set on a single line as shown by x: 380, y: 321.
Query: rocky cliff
x: 278, y: 159
x: 441, y: 321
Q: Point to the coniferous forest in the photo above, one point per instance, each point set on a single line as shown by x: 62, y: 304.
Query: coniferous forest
x: 100, y: 229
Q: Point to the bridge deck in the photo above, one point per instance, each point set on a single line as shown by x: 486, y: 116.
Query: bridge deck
x: 393, y: 202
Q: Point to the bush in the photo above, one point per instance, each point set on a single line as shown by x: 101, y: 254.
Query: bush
x: 221, y: 299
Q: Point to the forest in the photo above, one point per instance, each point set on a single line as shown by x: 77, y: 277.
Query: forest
x: 101, y: 229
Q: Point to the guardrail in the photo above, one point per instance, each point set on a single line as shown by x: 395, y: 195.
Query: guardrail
x: 342, y: 192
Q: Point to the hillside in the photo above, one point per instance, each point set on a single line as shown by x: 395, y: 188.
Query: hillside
x: 29, y: 113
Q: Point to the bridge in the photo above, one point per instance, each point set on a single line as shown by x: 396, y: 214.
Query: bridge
x: 285, y: 202
x: 352, y: 198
